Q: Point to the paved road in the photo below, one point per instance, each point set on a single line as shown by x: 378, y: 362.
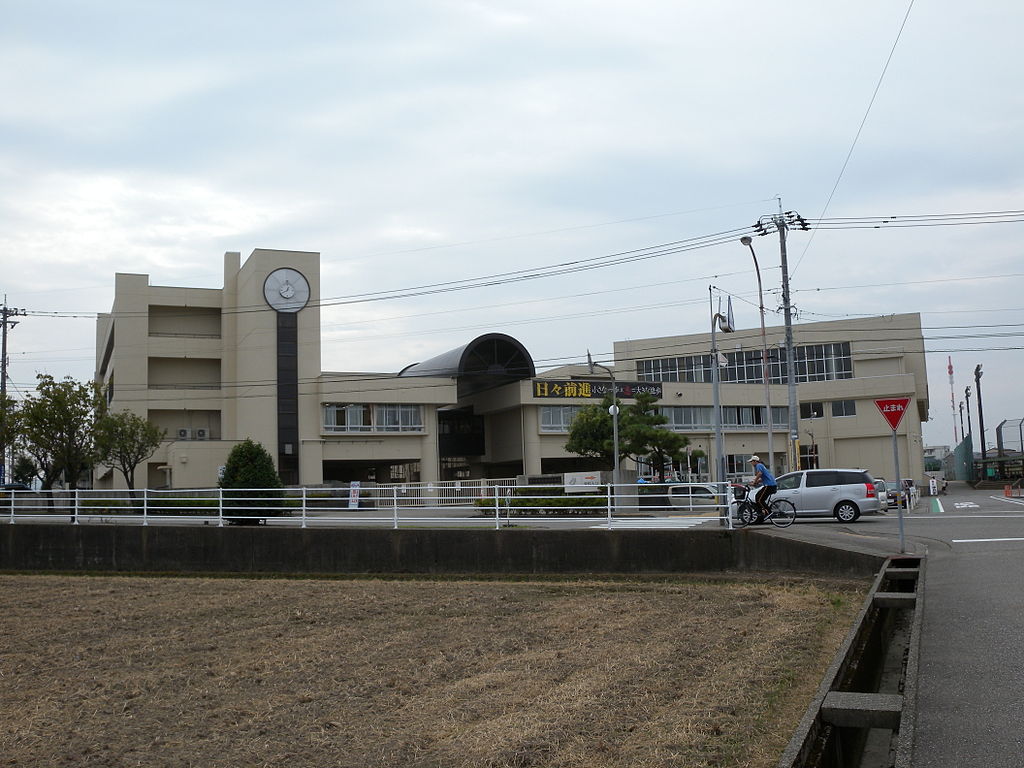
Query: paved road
x: 971, y: 685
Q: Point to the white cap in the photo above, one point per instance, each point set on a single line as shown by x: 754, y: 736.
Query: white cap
x: 755, y: 459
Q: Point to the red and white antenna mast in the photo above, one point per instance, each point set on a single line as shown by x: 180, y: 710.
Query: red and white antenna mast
x: 952, y: 400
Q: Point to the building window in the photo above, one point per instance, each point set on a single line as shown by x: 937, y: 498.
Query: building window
x: 738, y: 464
x: 823, y: 362
x: 700, y: 417
x: 682, y: 417
x: 780, y: 416
x: 812, y: 410
x: 558, y: 418
x: 844, y: 407
x: 360, y: 417
x: 664, y: 369
x: 399, y: 418
x: 809, y: 456
x: 812, y: 362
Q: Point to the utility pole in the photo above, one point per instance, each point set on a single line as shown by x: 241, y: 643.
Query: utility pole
x: 5, y: 313
x: 781, y: 223
x: 981, y: 417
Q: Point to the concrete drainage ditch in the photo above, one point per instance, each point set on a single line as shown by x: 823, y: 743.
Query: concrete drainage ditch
x: 863, y: 713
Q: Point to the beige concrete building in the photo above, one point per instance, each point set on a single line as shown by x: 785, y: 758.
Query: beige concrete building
x: 842, y: 368
x: 215, y: 366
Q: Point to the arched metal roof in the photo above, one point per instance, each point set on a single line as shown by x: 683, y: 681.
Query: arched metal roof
x: 486, y: 362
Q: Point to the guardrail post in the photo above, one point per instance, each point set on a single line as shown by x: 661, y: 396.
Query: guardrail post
x: 611, y: 490
x: 303, y: 506
x: 394, y: 505
x: 145, y: 506
x: 13, y: 494
x: 497, y: 509
x: 76, y: 506
x: 220, y: 507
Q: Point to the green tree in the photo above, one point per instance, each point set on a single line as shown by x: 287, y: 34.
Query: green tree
x: 23, y: 470
x: 644, y: 436
x: 250, y: 469
x: 591, y: 434
x: 56, y: 428
x: 123, y: 441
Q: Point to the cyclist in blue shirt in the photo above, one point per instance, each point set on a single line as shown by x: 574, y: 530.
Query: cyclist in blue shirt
x: 764, y: 478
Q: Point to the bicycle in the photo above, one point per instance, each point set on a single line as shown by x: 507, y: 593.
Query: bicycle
x: 781, y: 512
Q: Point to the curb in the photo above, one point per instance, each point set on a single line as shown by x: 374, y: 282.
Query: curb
x: 864, y: 712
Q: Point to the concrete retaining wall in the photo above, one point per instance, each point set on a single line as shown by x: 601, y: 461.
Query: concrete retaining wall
x: 368, y: 551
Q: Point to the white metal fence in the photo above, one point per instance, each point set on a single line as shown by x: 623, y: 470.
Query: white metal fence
x: 490, y: 503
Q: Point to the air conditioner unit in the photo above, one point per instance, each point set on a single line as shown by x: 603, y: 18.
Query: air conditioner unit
x: 184, y: 434
x: 201, y: 434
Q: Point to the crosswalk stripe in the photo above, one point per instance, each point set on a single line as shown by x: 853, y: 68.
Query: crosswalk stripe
x: 659, y: 522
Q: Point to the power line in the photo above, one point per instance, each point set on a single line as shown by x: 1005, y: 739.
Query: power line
x: 860, y: 128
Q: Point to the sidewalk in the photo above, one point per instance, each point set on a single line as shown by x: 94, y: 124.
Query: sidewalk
x: 971, y: 683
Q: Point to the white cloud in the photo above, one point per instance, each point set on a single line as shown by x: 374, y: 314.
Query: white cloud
x: 433, y: 140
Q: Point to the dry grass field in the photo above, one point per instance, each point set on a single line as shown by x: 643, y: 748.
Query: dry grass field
x: 218, y: 673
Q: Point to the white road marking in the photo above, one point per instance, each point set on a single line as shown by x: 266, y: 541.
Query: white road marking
x: 1009, y: 500
x: 936, y: 518
x: 965, y: 505
x: 982, y: 541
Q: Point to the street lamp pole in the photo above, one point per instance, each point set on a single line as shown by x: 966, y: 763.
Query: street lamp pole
x: 749, y: 242
x: 613, y: 410
x: 718, y: 320
x: 962, y: 433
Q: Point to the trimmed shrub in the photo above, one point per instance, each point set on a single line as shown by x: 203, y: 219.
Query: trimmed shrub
x: 250, y: 469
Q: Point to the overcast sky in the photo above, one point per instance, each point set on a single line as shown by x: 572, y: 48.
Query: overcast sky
x: 422, y: 142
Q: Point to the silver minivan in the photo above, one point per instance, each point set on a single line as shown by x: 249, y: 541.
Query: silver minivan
x: 845, y: 494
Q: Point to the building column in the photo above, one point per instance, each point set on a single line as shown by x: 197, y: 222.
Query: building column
x: 430, y: 460
x: 531, y: 440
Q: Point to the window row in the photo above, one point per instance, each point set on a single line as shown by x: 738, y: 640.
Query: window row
x: 558, y: 418
x: 701, y: 416
x: 361, y: 417
x: 816, y: 410
x: 812, y: 362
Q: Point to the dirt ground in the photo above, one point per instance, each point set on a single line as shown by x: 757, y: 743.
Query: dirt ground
x: 218, y: 673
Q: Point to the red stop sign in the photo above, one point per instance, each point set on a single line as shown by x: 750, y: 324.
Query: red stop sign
x: 893, y: 408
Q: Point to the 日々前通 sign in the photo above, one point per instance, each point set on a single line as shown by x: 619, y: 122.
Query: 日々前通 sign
x: 893, y: 409
x: 564, y: 389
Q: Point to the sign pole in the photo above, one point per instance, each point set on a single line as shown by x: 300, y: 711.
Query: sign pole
x: 899, y: 497
x: 893, y: 409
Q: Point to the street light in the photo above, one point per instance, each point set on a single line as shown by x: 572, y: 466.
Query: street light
x: 723, y: 322
x: 613, y: 410
x: 962, y: 433
x: 748, y: 241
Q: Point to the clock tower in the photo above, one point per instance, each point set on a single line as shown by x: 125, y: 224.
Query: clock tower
x: 286, y: 290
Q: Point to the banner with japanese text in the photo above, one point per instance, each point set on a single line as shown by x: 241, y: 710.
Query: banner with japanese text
x: 595, y: 390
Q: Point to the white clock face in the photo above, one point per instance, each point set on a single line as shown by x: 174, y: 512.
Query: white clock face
x: 286, y: 290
